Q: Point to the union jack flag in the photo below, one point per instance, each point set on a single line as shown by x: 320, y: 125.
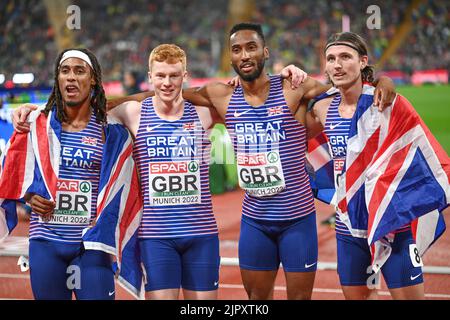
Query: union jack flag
x: 274, y: 111
x: 32, y: 162
x: 320, y: 168
x: 89, y: 141
x: 396, y: 173
x: 189, y: 126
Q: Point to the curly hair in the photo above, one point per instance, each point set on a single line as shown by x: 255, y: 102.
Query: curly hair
x: 169, y: 53
x: 98, y: 97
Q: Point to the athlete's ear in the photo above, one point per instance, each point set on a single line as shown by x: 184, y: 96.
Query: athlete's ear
x: 364, y: 61
x: 266, y: 53
x: 149, y: 77
x: 185, y: 76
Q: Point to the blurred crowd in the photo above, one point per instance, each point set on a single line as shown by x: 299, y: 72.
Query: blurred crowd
x: 26, y: 39
x: 122, y: 34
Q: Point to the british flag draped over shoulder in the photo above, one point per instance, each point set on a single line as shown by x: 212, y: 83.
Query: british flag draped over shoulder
x: 30, y: 164
x: 396, y: 173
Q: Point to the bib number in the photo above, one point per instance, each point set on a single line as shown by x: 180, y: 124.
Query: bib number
x: 338, y: 166
x: 261, y: 174
x: 73, y: 203
x: 174, y: 183
x: 416, y: 260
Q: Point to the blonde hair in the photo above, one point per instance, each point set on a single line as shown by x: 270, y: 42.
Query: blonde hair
x: 169, y: 53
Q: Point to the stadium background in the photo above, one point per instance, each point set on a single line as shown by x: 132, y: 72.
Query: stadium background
x: 410, y: 44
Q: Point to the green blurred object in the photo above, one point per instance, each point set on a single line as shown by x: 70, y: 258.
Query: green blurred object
x: 216, y: 178
x: 223, y: 168
x: 432, y: 103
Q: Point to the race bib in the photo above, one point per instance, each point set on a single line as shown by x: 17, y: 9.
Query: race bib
x: 174, y: 183
x: 414, y: 255
x: 338, y: 165
x: 261, y: 174
x: 73, y: 203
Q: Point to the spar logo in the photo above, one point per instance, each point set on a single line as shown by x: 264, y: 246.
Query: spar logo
x: 85, y: 187
x: 272, y: 157
x: 168, y: 167
x: 68, y: 185
x: 193, y: 166
x: 251, y: 160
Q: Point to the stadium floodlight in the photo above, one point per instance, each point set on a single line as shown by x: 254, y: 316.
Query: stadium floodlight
x: 23, y: 78
x: 2, y: 78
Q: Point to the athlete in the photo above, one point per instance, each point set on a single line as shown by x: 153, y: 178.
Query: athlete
x: 73, y: 133
x: 178, y: 232
x: 348, y: 69
x: 265, y: 117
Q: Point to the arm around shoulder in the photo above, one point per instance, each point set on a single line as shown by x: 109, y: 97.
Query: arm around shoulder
x: 312, y: 88
x: 211, y: 95
x: 128, y: 113
x: 111, y: 104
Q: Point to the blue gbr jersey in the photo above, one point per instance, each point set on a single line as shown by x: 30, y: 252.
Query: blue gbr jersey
x: 337, y: 130
x: 270, y: 148
x: 173, y: 162
x: 77, y: 186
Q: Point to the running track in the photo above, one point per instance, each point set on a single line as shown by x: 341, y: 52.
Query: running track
x: 15, y: 284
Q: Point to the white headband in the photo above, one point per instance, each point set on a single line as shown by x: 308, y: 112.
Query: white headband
x: 76, y: 54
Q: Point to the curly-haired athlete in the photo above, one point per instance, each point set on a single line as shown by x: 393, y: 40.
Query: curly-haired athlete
x: 68, y: 140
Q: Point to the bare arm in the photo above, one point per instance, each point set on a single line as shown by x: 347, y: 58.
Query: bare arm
x: 316, y: 117
x: 384, y: 92
x: 198, y: 96
x: 111, y: 104
x: 313, y: 125
x: 297, y: 97
x: 210, y: 95
x: 214, y: 95
x: 208, y: 117
x: 129, y: 114
x: 313, y: 88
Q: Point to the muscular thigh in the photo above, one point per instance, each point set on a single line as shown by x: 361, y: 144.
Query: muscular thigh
x: 258, y: 249
x: 298, y: 245
x: 353, y: 260
x: 404, y: 266
x: 162, y: 264
x: 97, y: 276
x: 200, y: 264
x: 50, y: 268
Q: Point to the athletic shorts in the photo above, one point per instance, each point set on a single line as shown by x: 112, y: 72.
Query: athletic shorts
x: 58, y: 269
x: 191, y: 263
x: 264, y: 244
x: 403, y: 267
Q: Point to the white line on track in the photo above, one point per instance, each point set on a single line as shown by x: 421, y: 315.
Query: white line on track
x: 239, y: 286
x: 337, y: 291
x: 14, y: 276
